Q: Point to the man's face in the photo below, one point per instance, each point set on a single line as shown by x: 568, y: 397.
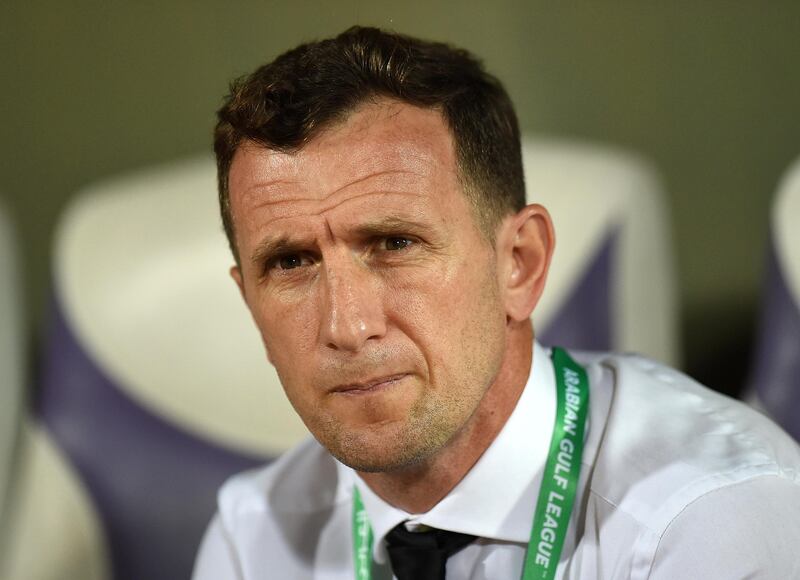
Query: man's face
x: 377, y: 297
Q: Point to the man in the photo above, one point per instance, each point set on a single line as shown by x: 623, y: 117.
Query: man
x: 371, y: 188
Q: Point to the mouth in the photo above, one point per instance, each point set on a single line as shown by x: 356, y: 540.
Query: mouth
x: 370, y: 386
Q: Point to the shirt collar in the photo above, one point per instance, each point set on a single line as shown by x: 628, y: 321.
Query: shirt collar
x: 483, y: 504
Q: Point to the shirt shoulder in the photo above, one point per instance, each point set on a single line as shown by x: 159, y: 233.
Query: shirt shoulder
x: 743, y: 530
x: 669, y: 443
x: 286, y: 519
x: 302, y: 481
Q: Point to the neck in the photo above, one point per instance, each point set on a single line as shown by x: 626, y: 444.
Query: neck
x: 418, y: 488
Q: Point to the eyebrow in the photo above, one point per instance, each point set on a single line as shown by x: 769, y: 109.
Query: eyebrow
x: 390, y: 225
x: 270, y: 247
x: 275, y: 246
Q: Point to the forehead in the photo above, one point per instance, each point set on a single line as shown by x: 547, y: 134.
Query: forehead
x: 382, y: 149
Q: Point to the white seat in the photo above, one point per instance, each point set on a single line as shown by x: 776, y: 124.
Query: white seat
x: 603, y: 198
x: 154, y: 385
x: 141, y: 270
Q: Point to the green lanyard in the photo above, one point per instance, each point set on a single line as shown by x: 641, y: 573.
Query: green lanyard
x: 362, y: 539
x: 556, y: 494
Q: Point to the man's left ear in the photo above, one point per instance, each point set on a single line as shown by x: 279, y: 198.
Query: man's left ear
x: 525, y: 242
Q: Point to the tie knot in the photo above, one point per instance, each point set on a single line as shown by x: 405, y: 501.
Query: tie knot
x: 422, y: 555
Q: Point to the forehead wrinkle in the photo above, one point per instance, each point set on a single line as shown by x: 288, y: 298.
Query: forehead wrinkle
x: 287, y: 206
x: 271, y: 200
x: 335, y: 205
x: 328, y: 228
x: 368, y: 177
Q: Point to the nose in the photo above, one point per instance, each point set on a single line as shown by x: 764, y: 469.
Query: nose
x: 353, y: 310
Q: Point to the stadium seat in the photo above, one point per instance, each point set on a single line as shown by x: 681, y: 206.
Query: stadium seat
x: 774, y: 384
x: 153, y: 382
x: 611, y: 284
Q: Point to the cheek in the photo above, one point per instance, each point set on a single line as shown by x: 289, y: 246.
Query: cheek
x: 445, y: 312
x: 288, y: 333
x: 452, y: 292
x: 415, y: 302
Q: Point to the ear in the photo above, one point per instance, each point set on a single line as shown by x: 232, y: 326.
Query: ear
x: 526, y: 241
x: 236, y: 274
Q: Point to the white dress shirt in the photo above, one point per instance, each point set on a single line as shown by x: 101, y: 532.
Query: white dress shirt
x: 677, y: 482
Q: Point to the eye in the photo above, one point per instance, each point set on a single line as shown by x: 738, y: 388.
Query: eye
x: 396, y: 243
x: 289, y: 262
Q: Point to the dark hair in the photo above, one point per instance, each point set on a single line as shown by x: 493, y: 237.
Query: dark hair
x: 286, y: 103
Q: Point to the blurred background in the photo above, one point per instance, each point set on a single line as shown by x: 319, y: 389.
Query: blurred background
x: 709, y: 91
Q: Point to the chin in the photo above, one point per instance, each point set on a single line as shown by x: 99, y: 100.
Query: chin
x: 393, y: 447
x: 365, y: 464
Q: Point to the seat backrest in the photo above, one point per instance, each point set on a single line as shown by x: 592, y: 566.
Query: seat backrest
x: 154, y: 383
x: 611, y: 284
x: 775, y: 379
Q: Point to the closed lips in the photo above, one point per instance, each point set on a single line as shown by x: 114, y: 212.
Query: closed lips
x: 369, y: 385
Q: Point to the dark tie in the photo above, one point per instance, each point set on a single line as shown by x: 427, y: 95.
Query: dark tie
x: 422, y: 555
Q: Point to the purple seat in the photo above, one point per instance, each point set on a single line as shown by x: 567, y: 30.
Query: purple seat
x: 774, y: 384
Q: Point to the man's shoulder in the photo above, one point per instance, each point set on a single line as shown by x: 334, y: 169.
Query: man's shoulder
x: 279, y: 520
x: 304, y: 480
x: 669, y: 441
